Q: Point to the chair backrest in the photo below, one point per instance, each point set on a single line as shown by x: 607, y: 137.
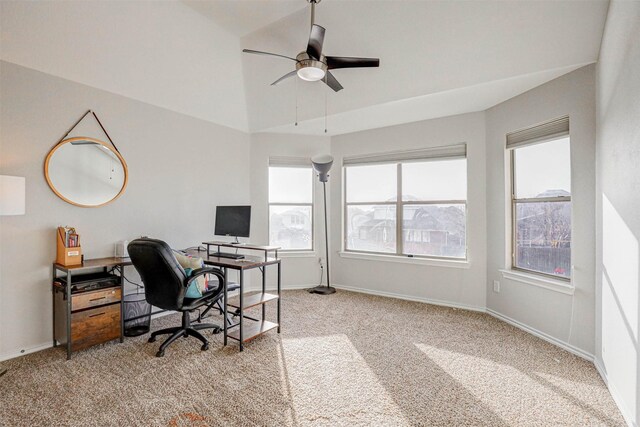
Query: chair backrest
x: 160, y: 272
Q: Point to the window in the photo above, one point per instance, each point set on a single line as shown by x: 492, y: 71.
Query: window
x: 291, y: 207
x: 541, y: 205
x: 421, y: 199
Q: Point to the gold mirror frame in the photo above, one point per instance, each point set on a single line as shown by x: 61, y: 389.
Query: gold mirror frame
x: 82, y: 138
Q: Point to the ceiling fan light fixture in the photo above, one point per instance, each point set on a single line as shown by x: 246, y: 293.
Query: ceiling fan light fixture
x: 311, y: 74
x: 310, y: 69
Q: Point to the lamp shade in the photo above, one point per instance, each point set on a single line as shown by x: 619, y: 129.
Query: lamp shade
x: 12, y: 195
x: 322, y: 164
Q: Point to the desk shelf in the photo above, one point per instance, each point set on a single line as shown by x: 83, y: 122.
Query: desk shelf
x: 254, y: 300
x: 252, y: 330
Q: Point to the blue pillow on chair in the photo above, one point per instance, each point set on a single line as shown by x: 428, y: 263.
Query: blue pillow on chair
x: 193, y: 291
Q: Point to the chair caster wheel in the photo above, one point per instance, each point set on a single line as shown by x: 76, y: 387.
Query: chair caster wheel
x: 204, y: 347
x: 151, y: 339
x: 216, y: 331
x: 160, y: 354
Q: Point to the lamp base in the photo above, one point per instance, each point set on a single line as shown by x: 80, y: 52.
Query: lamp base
x: 322, y: 290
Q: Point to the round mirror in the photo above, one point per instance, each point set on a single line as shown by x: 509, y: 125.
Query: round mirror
x: 86, y: 172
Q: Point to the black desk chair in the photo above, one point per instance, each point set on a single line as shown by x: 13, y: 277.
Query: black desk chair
x: 166, y: 283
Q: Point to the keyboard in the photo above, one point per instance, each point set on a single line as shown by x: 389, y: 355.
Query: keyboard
x: 227, y: 255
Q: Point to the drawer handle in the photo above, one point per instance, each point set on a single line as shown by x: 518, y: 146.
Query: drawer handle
x: 97, y: 299
x: 96, y: 315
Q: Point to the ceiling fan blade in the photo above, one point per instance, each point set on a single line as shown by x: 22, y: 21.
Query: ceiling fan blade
x: 334, y: 62
x: 316, y: 40
x: 258, y: 52
x: 332, y: 82
x: 286, y: 76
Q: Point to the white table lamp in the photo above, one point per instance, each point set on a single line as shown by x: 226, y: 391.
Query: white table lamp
x: 12, y: 195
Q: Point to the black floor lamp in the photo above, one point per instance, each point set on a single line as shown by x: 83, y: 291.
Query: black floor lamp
x: 322, y: 165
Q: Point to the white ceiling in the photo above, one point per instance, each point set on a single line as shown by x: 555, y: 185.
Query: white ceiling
x: 162, y: 53
x: 241, y: 17
x: 437, y: 58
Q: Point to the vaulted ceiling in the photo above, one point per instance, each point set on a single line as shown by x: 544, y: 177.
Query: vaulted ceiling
x: 437, y: 58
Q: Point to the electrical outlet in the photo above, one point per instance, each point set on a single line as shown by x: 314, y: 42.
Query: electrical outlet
x: 321, y: 261
x: 496, y: 286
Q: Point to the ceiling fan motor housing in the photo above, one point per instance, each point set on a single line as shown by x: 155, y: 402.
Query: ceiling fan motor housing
x: 312, y: 69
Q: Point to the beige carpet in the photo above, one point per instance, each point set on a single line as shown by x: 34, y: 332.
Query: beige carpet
x: 342, y: 360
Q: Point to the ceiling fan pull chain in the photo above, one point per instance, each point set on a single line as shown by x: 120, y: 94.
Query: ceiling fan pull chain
x: 326, y: 90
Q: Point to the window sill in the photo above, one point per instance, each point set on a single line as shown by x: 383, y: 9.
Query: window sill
x: 542, y: 282
x: 297, y: 254
x: 406, y: 260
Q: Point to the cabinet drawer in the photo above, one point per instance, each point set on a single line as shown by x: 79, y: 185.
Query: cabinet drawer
x: 95, y: 298
x: 95, y: 326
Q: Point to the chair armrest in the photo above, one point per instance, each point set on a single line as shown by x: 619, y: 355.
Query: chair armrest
x: 201, y: 272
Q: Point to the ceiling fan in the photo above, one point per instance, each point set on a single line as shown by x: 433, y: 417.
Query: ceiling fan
x: 312, y: 65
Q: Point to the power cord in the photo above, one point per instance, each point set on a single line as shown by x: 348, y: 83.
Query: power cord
x: 121, y: 271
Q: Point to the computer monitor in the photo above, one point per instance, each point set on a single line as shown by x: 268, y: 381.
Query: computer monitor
x: 233, y: 221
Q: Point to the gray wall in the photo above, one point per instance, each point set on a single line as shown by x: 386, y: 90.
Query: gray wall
x: 180, y: 169
x: 300, y: 269
x: 618, y: 207
x: 565, y: 318
x: 441, y: 281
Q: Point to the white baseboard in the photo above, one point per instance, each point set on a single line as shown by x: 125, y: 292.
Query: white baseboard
x: 411, y: 298
x: 533, y: 331
x: 34, y: 349
x: 626, y: 413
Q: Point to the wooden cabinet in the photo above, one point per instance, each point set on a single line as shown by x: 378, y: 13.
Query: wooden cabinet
x: 87, y: 306
x: 95, y: 326
x: 95, y: 298
x: 94, y: 317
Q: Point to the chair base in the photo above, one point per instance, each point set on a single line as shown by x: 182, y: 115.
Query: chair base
x: 186, y: 330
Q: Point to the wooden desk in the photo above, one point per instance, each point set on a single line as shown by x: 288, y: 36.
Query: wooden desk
x: 85, y: 318
x: 246, y: 333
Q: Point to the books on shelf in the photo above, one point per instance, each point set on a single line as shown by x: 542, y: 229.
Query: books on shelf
x: 71, y: 239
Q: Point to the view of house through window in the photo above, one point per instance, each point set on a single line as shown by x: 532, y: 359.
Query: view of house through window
x: 291, y: 207
x: 430, y: 205
x: 542, y: 207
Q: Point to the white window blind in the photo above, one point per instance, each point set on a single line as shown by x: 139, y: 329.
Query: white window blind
x: 425, y: 154
x: 550, y: 130
x: 283, y: 161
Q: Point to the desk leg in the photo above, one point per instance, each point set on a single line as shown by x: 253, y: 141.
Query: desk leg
x: 264, y: 289
x: 53, y: 307
x: 68, y: 315
x: 241, y: 309
x: 224, y: 303
x: 279, y: 293
x: 121, y: 302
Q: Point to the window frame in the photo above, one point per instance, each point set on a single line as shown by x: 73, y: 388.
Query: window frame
x: 399, y: 205
x: 312, y: 205
x: 514, y: 203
